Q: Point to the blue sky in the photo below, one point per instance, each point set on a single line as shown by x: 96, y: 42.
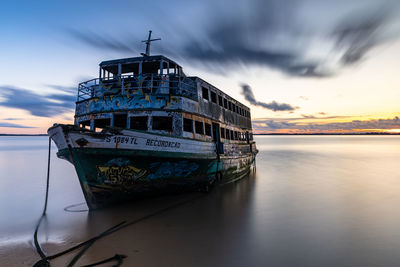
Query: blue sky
x: 332, y: 62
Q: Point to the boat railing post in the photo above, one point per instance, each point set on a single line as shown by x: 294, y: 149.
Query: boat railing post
x: 112, y: 120
x: 151, y: 83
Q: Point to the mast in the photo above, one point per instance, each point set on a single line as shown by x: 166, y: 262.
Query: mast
x: 148, y: 41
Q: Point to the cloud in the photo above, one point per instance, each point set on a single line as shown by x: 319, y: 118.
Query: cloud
x: 38, y: 105
x: 268, y: 125
x: 272, y: 33
x: 104, y: 41
x: 308, y: 116
x: 13, y: 125
x: 356, y: 36
x: 62, y: 88
x: 302, y: 118
x: 274, y: 106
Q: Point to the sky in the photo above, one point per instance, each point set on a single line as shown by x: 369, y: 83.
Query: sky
x: 305, y: 66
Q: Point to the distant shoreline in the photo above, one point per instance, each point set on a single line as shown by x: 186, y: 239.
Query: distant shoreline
x: 23, y: 134
x: 253, y: 134
x: 329, y: 134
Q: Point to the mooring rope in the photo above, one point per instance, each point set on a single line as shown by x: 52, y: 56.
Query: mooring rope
x: 44, y: 261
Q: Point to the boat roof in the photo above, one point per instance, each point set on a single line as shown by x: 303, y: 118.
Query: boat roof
x: 139, y: 59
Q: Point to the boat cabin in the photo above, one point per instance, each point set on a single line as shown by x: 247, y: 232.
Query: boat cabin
x: 151, y: 93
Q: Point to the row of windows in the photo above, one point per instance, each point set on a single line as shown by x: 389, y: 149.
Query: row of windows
x: 205, y: 128
x: 161, y: 123
x: 199, y: 127
x: 223, y: 102
x: 164, y: 123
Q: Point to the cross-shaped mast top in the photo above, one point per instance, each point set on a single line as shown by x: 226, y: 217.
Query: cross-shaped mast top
x: 148, y: 41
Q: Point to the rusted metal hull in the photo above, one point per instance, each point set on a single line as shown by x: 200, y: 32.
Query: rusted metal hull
x: 120, y: 165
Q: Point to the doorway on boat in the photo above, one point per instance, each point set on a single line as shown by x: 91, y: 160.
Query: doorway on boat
x: 217, y: 139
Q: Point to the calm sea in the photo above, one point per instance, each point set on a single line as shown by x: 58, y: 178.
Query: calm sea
x: 313, y: 201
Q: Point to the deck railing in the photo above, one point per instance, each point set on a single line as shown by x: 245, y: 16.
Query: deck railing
x: 138, y: 84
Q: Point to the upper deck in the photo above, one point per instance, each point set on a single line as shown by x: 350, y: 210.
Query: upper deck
x: 155, y: 75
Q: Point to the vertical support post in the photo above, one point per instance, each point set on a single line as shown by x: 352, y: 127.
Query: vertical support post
x: 100, y: 73
x: 119, y: 70
x: 149, y: 122
x: 161, y: 66
x: 128, y: 121
x: 167, y: 67
x: 92, y: 125
x: 112, y: 120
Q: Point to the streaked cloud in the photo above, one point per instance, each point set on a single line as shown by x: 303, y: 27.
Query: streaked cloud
x: 14, y: 125
x: 357, y: 35
x: 270, y: 33
x: 49, y: 105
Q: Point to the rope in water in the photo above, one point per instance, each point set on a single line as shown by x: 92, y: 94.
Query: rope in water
x: 44, y: 262
x: 37, y: 245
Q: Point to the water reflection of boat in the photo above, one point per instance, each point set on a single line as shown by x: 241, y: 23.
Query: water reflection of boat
x: 144, y: 127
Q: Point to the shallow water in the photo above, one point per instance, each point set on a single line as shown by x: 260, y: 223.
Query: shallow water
x: 313, y: 201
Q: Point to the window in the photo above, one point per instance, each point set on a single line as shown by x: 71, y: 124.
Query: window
x: 188, y: 125
x: 199, y: 127
x: 249, y: 115
x: 139, y: 123
x: 213, y: 97
x: 101, y: 123
x: 229, y: 105
x: 236, y: 136
x: 120, y: 120
x: 233, y: 107
x: 162, y: 123
x: 205, y: 93
x: 231, y: 132
x: 83, y: 124
x: 223, y: 133
x: 228, y: 135
x: 220, y: 102
x: 208, y: 129
x: 225, y: 103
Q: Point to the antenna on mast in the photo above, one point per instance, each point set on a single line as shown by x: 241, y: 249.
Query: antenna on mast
x: 148, y: 41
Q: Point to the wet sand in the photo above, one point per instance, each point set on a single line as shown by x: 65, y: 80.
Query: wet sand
x: 314, y: 201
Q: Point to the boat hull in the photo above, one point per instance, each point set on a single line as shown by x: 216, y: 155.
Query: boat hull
x: 114, y: 172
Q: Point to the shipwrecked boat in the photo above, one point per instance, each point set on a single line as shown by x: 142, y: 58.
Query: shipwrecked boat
x: 143, y: 127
